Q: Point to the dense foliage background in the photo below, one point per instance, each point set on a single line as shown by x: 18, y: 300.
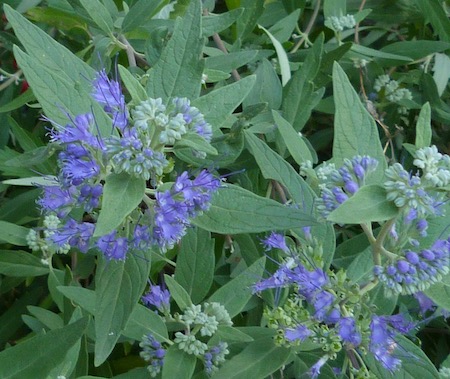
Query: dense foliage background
x: 259, y: 99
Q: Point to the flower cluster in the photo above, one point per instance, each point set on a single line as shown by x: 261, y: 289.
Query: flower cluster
x: 157, y: 297
x: 215, y: 356
x: 338, y: 24
x: 137, y: 145
x: 153, y: 353
x: 328, y: 310
x: 392, y: 90
x: 339, y: 184
x: 423, y: 193
x: 175, y: 207
x: 383, y: 332
x: 415, y: 271
x: 196, y: 319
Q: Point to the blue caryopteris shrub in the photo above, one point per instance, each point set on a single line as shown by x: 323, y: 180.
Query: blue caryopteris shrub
x: 224, y: 189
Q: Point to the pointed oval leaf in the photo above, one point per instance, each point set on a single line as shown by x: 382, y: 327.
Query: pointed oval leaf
x: 366, y: 205
x: 21, y: 361
x: 122, y: 193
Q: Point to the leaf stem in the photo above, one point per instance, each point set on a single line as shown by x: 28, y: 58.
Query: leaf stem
x: 308, y: 28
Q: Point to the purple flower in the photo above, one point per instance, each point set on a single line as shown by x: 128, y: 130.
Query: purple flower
x: 153, y: 353
x: 58, y: 200
x: 75, y: 234
x: 281, y: 278
x: 158, y: 297
x: 382, y: 340
x: 322, y: 302
x: 192, y: 117
x: 76, y: 170
x: 113, y: 247
x: 275, y: 241
x: 348, y: 332
x: 79, y: 131
x: 108, y: 93
x: 90, y: 196
x: 314, y: 371
x: 300, y: 332
x: 175, y: 207
x: 425, y: 303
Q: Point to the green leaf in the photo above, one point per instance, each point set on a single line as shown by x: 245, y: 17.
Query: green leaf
x: 300, y: 88
x: 374, y: 53
x: 177, y: 292
x: 218, y: 22
x: 21, y: 361
x: 117, y: 189
x: 57, y: 77
x: 247, y: 22
x: 141, y: 12
x: 179, y: 70
x: 366, y: 205
x: 10, y: 320
x: 13, y: 234
x: 119, y: 286
x: 32, y: 181
x: 235, y: 294
x: 440, y: 294
x: 283, y: 60
x: 416, y: 49
x: 18, y: 101
x: 99, y: 14
x: 355, y: 132
x: 229, y: 334
x: 20, y: 263
x: 217, y: 105
x: 57, y: 18
x: 133, y: 86
x: 294, y: 142
x: 258, y: 360
x: 228, y: 148
x: 441, y: 71
x: 435, y: 14
x: 195, y: 263
x: 81, y: 296
x: 143, y: 321
x: 48, y: 318
x: 267, y: 88
x: 230, y: 61
x: 274, y: 167
x: 197, y: 143
x: 178, y: 364
x: 423, y: 127
x: 415, y: 364
x: 236, y: 210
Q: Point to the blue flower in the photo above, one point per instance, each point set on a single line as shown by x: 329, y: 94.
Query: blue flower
x: 80, y: 130
x: 153, y: 353
x: 108, y: 93
x: 275, y: 241
x: 383, y: 330
x: 175, y: 207
x: 75, y: 234
x: 314, y: 371
x: 58, y: 200
x: 300, y: 332
x: 113, y: 247
x: 348, y: 332
x: 158, y: 297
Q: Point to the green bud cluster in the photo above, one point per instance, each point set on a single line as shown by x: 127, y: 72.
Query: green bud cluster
x: 202, y: 321
x: 39, y: 239
x: 338, y: 24
x: 391, y: 89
